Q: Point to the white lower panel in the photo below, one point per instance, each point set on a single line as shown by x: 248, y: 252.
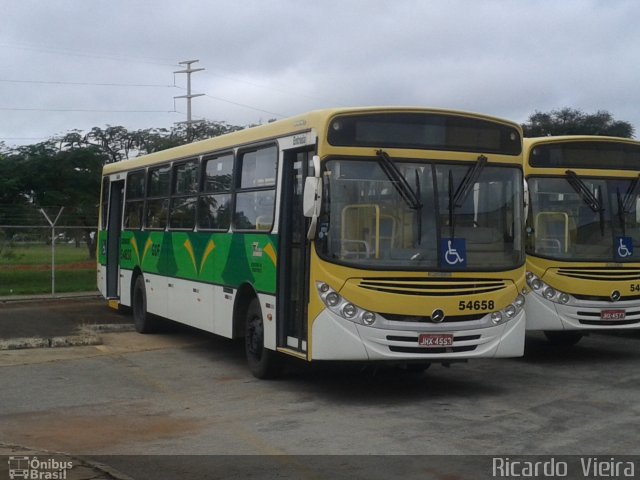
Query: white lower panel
x: 125, y: 287
x: 101, y: 279
x: 157, y: 292
x: 268, y: 304
x: 207, y: 307
x: 545, y: 315
x: 334, y: 338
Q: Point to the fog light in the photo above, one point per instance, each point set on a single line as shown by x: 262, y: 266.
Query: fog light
x: 564, y: 298
x: 349, y: 310
x: 536, y: 284
x: 369, y: 318
x: 549, y: 293
x: 333, y: 299
x: 496, y: 317
x: 510, y: 311
x: 324, y: 288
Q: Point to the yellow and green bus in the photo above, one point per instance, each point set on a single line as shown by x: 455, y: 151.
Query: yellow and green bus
x: 583, y: 235
x: 357, y: 234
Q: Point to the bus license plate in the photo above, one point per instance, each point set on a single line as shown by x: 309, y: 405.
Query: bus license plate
x: 435, y: 340
x: 612, y: 315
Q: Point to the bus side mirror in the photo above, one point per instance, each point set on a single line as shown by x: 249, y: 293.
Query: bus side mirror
x: 311, y: 203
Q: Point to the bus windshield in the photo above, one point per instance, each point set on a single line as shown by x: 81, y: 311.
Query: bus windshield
x: 369, y: 222
x: 584, y: 218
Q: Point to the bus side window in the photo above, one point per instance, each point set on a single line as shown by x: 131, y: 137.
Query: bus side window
x: 214, y: 203
x: 134, y: 205
x: 158, y: 188
x: 255, y: 195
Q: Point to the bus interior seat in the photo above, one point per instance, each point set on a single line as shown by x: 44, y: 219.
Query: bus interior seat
x: 553, y: 232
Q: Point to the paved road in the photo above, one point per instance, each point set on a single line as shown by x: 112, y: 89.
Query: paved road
x: 185, y: 393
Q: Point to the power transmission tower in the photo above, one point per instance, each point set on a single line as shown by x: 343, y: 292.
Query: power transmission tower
x: 189, y: 95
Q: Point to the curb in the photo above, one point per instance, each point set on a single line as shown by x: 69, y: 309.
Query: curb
x: 88, y: 336
x: 53, y: 342
x: 45, y: 296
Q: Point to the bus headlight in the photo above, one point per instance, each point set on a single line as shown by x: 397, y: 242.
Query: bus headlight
x: 509, y: 312
x: 369, y: 318
x: 342, y: 307
x: 349, y: 310
x: 546, y: 291
x: 332, y: 299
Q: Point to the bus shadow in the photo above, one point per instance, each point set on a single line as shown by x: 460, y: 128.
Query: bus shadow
x: 373, y: 384
x: 540, y: 351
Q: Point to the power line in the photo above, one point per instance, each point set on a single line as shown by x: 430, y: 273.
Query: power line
x: 59, y: 51
x: 85, y: 110
x: 245, y: 106
x: 53, y: 82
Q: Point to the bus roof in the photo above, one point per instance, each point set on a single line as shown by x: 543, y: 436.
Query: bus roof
x: 530, y: 142
x: 317, y: 119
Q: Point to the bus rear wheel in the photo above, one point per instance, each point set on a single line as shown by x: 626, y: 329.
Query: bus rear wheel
x: 142, y: 320
x: 263, y: 363
x: 563, y: 338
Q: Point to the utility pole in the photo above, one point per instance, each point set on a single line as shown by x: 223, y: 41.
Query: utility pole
x: 189, y: 95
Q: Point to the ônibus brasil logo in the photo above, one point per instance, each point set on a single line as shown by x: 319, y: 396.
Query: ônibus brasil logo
x: 33, y: 468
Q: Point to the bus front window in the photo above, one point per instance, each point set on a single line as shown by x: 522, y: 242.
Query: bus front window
x: 370, y: 222
x: 566, y: 224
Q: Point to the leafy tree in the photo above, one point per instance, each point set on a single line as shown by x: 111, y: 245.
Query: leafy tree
x: 570, y: 121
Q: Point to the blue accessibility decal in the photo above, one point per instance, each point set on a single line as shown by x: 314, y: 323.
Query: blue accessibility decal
x: 623, y: 248
x: 453, y: 253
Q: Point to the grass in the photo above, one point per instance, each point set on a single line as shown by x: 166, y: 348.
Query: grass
x: 26, y: 269
x: 24, y: 282
x: 41, y: 254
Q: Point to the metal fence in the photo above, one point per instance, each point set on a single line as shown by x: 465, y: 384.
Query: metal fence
x: 28, y: 253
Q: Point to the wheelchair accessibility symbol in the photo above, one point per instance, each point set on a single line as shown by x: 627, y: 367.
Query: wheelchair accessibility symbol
x: 453, y: 252
x: 623, y: 247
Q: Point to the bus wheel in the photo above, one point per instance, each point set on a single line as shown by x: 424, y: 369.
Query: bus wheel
x: 263, y: 363
x: 143, y: 321
x: 563, y: 338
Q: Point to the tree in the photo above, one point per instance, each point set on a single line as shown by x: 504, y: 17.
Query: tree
x: 570, y: 121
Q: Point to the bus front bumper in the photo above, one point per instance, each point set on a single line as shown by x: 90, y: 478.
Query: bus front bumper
x: 545, y: 315
x: 335, y: 338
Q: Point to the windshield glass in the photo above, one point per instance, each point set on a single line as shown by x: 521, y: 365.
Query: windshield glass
x: 369, y: 222
x: 564, y: 225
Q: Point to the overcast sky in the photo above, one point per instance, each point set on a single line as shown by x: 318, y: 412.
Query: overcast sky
x: 77, y: 64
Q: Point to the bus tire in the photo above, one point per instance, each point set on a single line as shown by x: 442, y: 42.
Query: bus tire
x: 563, y: 338
x: 263, y: 363
x: 142, y: 320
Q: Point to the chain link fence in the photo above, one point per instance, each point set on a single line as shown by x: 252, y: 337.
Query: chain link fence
x: 47, y: 257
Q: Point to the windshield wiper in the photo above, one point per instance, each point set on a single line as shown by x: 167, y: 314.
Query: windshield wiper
x: 463, y: 190
x: 621, y: 211
x: 400, y: 183
x: 630, y: 193
x: 592, y: 201
x: 458, y: 198
x: 581, y: 189
x: 625, y: 203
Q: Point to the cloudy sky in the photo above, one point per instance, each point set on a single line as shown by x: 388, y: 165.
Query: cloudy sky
x: 76, y: 64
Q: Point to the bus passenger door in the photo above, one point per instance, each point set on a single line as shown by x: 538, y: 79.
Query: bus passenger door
x: 293, y: 253
x: 114, y: 225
